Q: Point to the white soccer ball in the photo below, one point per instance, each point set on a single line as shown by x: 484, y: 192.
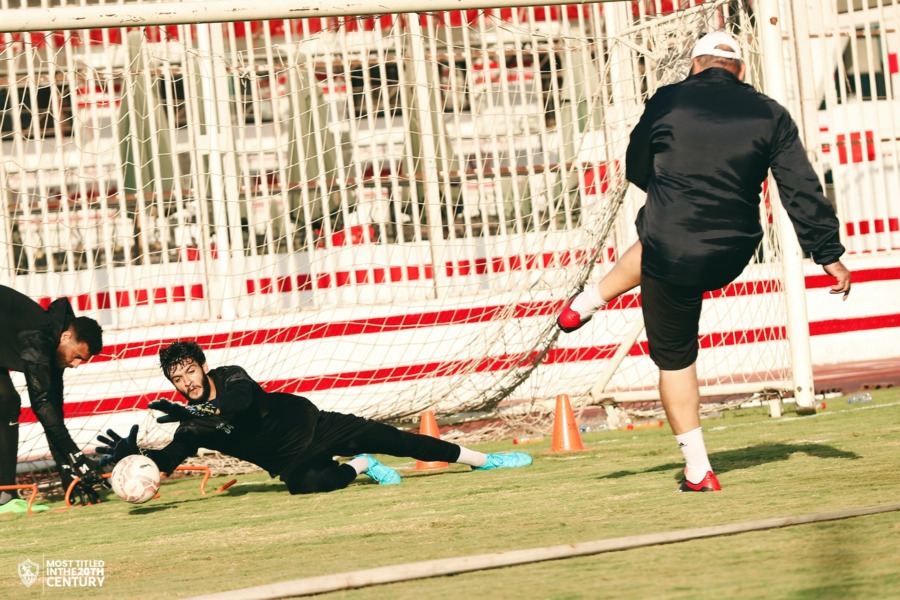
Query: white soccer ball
x: 135, y: 479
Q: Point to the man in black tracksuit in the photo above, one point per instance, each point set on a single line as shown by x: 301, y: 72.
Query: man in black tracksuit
x: 701, y: 151
x: 42, y: 344
x: 284, y: 434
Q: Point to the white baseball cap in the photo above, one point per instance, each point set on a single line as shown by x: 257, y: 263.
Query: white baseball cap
x: 709, y: 44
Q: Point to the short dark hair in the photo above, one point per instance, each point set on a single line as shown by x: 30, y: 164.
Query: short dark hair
x: 178, y: 353
x: 88, y: 331
x: 731, y: 64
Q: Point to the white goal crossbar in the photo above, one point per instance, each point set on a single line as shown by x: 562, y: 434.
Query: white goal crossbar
x: 100, y: 16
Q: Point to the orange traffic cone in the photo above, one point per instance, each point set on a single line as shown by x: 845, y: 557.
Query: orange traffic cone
x: 565, y: 430
x: 428, y: 426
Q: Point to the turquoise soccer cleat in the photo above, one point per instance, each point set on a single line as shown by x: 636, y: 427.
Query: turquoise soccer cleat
x: 505, y: 460
x: 381, y: 474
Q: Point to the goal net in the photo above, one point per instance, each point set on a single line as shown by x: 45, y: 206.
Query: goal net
x: 382, y: 213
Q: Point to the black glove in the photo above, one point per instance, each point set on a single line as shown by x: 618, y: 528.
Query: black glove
x: 117, y: 447
x: 82, y: 493
x: 87, y: 470
x: 177, y: 412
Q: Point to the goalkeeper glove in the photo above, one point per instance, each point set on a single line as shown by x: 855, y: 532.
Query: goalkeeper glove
x: 82, y: 493
x: 84, y: 468
x: 117, y: 447
x: 176, y: 412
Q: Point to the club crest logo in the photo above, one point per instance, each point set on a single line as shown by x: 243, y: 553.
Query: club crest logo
x: 28, y: 572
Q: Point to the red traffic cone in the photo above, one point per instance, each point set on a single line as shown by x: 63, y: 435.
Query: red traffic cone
x: 565, y: 430
x: 428, y: 426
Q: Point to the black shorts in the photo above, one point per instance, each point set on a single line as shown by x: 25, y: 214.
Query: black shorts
x: 672, y: 321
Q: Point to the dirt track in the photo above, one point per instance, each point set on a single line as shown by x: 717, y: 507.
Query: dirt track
x: 854, y: 376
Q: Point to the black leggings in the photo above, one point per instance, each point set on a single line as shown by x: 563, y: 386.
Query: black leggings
x: 348, y: 435
x: 10, y: 405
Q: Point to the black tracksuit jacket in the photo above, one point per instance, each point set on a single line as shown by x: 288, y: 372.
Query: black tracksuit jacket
x: 701, y: 151
x: 29, y: 338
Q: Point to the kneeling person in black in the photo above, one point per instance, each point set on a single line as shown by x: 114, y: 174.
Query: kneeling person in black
x: 286, y: 435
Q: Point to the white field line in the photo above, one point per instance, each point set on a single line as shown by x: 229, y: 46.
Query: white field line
x: 801, y: 417
x: 480, y: 562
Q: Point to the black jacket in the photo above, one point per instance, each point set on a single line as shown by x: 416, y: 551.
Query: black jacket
x: 29, y: 339
x: 266, y: 429
x: 701, y: 151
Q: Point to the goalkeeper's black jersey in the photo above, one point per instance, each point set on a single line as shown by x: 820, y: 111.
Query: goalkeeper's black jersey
x: 266, y: 429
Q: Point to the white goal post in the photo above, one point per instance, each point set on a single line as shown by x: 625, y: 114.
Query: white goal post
x: 380, y: 209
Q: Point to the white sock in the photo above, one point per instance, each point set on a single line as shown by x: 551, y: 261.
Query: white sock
x: 5, y: 497
x: 359, y: 464
x: 695, y: 457
x: 471, y: 458
x: 588, y: 302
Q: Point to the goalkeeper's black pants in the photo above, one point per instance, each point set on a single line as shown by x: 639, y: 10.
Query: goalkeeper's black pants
x: 10, y: 405
x: 10, y: 408
x: 338, y: 434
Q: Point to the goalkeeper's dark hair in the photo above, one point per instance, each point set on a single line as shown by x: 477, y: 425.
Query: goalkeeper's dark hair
x: 178, y: 353
x: 88, y: 331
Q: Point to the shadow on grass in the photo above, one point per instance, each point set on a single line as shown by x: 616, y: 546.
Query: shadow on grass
x: 161, y: 505
x: 146, y: 510
x: 253, y: 488
x: 242, y: 489
x: 413, y: 474
x: 745, y: 458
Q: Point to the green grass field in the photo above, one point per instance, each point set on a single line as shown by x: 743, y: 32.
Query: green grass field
x: 255, y: 533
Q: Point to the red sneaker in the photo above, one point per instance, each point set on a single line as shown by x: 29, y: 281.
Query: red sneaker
x: 708, y: 484
x: 569, y: 320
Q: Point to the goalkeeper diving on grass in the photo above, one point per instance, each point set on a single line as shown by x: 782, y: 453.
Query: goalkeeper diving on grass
x: 286, y: 435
